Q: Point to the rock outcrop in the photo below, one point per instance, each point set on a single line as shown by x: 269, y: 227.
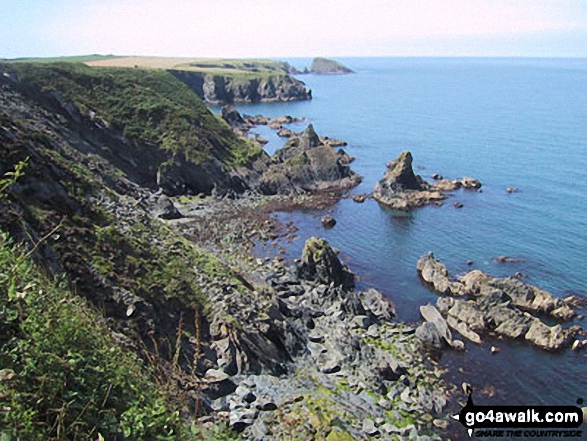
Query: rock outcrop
x: 218, y: 89
x: 305, y: 164
x: 325, y: 66
x: 402, y: 189
x: 480, y: 304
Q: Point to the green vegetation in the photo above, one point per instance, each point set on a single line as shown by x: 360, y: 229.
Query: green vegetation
x: 70, y: 59
x: 147, y: 105
x: 61, y: 374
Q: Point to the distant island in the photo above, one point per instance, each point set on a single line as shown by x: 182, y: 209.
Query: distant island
x: 325, y: 66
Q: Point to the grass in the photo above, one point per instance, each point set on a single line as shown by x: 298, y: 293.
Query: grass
x: 149, y: 106
x: 63, y: 376
x: 66, y: 59
x: 226, y: 67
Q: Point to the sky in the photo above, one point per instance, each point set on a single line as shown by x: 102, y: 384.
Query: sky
x: 299, y: 28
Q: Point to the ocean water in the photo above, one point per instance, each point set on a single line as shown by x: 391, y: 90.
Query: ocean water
x: 510, y: 122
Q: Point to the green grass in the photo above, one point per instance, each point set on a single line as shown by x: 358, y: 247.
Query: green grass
x: 147, y: 105
x: 65, y: 59
x: 62, y: 374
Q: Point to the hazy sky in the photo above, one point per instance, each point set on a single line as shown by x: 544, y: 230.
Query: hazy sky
x: 267, y: 28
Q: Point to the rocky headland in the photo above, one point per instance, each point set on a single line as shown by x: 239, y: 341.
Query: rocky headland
x: 224, y: 81
x: 402, y: 189
x: 477, y: 304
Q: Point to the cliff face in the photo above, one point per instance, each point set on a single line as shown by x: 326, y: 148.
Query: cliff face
x: 220, y: 89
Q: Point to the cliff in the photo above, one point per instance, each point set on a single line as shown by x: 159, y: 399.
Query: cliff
x: 223, y: 89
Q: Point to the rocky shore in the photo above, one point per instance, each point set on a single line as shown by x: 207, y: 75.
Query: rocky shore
x: 312, y: 349
x: 477, y: 304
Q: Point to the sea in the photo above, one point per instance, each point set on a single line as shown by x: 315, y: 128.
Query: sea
x: 509, y: 122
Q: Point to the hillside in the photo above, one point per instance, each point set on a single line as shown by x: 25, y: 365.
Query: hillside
x: 129, y: 314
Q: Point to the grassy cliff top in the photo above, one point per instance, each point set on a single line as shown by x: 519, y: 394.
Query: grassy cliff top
x: 149, y: 105
x: 213, y: 66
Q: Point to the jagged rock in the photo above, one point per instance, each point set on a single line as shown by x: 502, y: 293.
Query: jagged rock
x: 332, y: 142
x: 547, y: 337
x: 430, y: 336
x: 470, y: 183
x: 359, y: 198
x: 319, y: 262
x: 402, y: 189
x: 377, y: 305
x: 285, y: 133
x: 257, y: 120
x: 435, y: 273
x: 226, y: 89
x: 431, y: 314
x: 369, y: 428
x: 463, y: 329
x: 305, y: 164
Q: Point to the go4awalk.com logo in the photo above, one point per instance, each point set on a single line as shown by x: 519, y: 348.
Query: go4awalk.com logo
x: 521, y: 421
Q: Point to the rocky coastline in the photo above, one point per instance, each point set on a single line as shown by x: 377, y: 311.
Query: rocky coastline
x: 476, y: 304
x: 227, y: 89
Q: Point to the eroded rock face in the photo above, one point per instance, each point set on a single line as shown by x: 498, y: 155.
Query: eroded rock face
x: 218, y: 89
x: 479, y: 304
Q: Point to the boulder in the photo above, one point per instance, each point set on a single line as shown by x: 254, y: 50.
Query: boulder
x: 434, y: 272
x: 328, y: 221
x: 164, y: 208
x: 431, y: 315
x: 233, y: 117
x: 551, y: 338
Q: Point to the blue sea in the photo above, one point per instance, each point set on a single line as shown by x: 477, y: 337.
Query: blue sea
x: 509, y: 122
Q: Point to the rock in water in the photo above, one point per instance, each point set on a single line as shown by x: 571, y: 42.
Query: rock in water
x: 324, y: 66
x: 328, y: 221
x: 402, y: 189
x: 320, y: 263
x: 401, y: 175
